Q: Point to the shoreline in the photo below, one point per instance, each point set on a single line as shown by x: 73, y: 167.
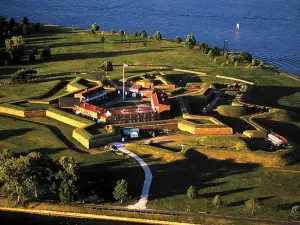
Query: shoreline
x: 277, y: 69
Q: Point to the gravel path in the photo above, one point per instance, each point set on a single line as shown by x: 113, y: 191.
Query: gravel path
x: 141, y: 204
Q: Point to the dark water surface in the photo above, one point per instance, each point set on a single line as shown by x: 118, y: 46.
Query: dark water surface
x: 9, y: 218
x: 270, y: 29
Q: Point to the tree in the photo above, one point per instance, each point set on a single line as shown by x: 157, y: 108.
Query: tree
x: 14, y: 175
x: 246, y: 56
x: 32, y: 57
x: 203, y: 47
x: 107, y: 66
x: 102, y: 39
x: 178, y: 39
x: 216, y: 51
x: 158, y: 36
x: 12, y: 22
x: 191, y: 192
x: 210, y: 54
x: 95, y: 27
x: 37, y: 27
x: 42, y: 173
x: 143, y: 34
x: 252, y: 204
x: 121, y: 33
x: 113, y: 31
x: 295, y: 212
x: 135, y: 34
x: 67, y: 177
x: 217, y: 201
x: 46, y: 53
x: 25, y: 20
x: 190, y: 41
x: 120, y: 192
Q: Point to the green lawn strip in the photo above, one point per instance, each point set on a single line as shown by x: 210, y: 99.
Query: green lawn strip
x: 17, y: 92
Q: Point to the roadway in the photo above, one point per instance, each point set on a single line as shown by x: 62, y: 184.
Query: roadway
x: 141, y: 204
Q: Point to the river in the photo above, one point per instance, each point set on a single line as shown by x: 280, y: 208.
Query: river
x: 269, y: 29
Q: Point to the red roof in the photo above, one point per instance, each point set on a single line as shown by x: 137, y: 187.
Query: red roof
x: 160, y: 98
x: 132, y: 111
x: 90, y: 107
x: 136, y: 86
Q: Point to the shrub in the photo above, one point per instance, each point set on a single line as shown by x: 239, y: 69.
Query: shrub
x: 107, y: 66
x: 217, y: 201
x: 246, y: 56
x: 216, y: 51
x: 252, y: 204
x: 102, y: 39
x: 203, y: 47
x: 121, y: 33
x: 46, y: 53
x: 158, y: 36
x: 191, y: 192
x: 120, y: 192
x: 210, y: 54
x: 113, y: 31
x: 178, y: 39
x: 190, y: 41
x: 143, y: 34
x: 135, y: 34
x: 295, y: 212
x: 95, y: 27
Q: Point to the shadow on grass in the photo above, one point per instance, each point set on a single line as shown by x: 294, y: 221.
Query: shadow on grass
x: 5, y: 134
x: 242, y: 202
x: 89, y: 55
x: 223, y: 193
x: 44, y: 151
x: 270, y: 96
x: 169, y: 179
x: 57, y: 132
x: 288, y: 206
x: 288, y: 130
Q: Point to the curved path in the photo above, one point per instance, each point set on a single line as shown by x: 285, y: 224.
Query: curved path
x: 141, y: 204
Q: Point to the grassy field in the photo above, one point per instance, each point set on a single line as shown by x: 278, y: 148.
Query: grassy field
x: 234, y: 182
x: 173, y: 171
x: 82, y: 51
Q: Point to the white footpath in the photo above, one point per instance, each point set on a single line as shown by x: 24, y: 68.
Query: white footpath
x: 141, y: 204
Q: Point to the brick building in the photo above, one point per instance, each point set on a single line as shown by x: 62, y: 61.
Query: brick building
x: 160, y: 103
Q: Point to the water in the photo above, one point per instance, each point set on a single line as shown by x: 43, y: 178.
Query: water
x: 269, y: 29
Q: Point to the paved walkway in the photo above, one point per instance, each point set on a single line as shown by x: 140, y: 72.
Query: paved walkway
x: 141, y: 204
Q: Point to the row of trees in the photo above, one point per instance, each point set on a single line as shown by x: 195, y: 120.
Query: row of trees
x: 36, y: 175
x: 251, y: 205
x: 13, y: 28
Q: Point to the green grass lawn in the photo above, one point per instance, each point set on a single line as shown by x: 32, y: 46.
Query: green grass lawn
x: 99, y: 171
x: 16, y: 92
x: 173, y: 172
x: 277, y: 190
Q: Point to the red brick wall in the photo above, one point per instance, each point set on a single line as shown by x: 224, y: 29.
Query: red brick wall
x: 36, y: 113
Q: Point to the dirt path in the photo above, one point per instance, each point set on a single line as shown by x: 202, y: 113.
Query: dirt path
x: 141, y: 204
